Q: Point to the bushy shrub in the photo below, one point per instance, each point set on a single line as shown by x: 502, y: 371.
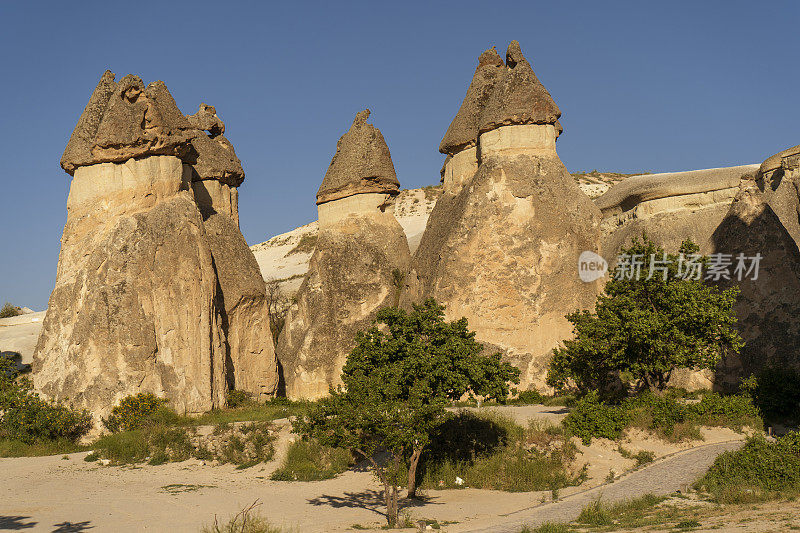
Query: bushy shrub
x: 9, y: 310
x: 528, y: 397
x: 732, y: 411
x: 26, y: 417
x: 593, y: 418
x: 237, y: 398
x: 133, y: 411
x: 776, y: 392
x: 760, y: 470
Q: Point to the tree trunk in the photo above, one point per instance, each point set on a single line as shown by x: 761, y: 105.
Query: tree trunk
x: 391, y: 505
x: 412, y: 473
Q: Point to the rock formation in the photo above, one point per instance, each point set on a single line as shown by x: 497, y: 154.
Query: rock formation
x: 136, y: 302
x: 216, y: 172
x: 360, y: 257
x: 768, y: 306
x: 502, y: 250
x: 669, y: 208
x: 779, y: 180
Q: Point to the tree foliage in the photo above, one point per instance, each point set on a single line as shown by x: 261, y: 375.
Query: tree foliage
x: 398, y: 380
x: 645, y: 328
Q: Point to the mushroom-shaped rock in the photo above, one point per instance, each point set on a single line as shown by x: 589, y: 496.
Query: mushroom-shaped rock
x: 125, y: 120
x: 518, y: 97
x: 463, y: 130
x: 362, y: 164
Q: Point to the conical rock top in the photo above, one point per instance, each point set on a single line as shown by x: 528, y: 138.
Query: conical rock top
x: 518, y: 97
x: 463, y: 130
x: 125, y: 120
x: 362, y: 164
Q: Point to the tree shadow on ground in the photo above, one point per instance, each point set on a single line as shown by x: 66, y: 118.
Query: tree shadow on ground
x: 15, y: 523
x: 371, y: 500
x: 72, y: 527
x: 461, y: 439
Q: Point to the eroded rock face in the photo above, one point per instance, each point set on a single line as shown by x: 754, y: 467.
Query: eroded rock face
x: 156, y: 290
x: 133, y: 307
x: 357, y: 267
x: 779, y: 180
x: 502, y: 244
x: 350, y: 278
x: 504, y: 252
x: 768, y: 306
x: 251, y: 363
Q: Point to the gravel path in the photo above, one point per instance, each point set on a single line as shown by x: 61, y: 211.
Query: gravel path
x: 665, y: 476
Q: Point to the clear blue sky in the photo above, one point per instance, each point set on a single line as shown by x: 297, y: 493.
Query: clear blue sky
x: 641, y: 85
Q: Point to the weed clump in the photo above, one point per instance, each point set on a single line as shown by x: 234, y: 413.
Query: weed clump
x: 308, y: 460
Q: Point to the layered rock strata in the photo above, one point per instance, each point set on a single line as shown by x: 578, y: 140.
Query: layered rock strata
x: 360, y: 258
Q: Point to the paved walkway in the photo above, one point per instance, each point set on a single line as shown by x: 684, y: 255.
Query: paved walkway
x: 665, y: 476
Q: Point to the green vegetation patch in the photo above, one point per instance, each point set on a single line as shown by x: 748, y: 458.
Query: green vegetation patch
x: 759, y: 471
x: 308, y: 460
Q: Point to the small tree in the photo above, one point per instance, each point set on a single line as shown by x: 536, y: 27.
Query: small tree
x: 646, y: 326
x: 397, y: 382
x: 9, y: 310
x: 277, y: 308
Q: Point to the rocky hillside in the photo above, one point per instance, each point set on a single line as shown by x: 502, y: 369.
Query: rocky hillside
x: 284, y: 258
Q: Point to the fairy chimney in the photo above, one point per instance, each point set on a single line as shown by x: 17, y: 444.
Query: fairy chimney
x: 460, y: 141
x: 502, y: 249
x: 360, y: 259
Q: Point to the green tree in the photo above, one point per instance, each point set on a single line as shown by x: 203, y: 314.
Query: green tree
x: 398, y: 380
x: 642, y: 329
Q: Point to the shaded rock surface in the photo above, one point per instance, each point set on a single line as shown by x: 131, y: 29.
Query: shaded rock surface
x: 463, y: 130
x: 769, y: 306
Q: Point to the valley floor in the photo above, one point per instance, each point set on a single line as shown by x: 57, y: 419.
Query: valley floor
x: 68, y: 494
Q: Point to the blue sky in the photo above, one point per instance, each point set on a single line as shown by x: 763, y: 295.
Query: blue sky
x: 641, y: 85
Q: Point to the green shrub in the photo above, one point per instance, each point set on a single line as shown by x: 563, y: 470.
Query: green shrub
x: 599, y: 514
x: 308, y: 460
x: 237, y: 398
x: 732, y: 411
x: 776, y: 392
x: 26, y: 417
x: 133, y: 411
x: 592, y: 418
x: 528, y: 397
x: 758, y: 471
x: 9, y: 310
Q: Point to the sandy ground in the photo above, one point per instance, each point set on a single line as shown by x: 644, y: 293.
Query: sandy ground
x: 44, y: 493
x: 20, y: 334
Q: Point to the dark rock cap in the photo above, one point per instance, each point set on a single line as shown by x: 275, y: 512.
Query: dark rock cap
x: 518, y: 97
x: 124, y: 120
x: 212, y: 156
x: 362, y: 164
x: 463, y: 130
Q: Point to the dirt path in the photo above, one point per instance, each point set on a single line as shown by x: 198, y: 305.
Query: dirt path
x: 665, y: 476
